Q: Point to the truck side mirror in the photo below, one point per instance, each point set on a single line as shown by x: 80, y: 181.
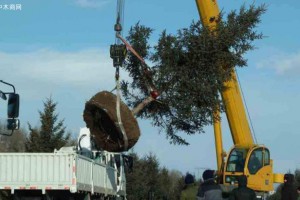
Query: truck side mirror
x: 13, y: 105
x: 2, y: 95
x: 13, y: 124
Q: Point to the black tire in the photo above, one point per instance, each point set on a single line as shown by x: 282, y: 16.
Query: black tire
x: 16, y: 197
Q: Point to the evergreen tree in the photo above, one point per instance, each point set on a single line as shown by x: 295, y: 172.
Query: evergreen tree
x: 149, y: 179
x: 51, y: 134
x: 33, y: 143
x: 13, y: 143
x: 189, y: 70
x: 164, y: 181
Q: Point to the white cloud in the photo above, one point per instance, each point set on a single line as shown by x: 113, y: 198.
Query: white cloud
x: 45, y: 71
x: 283, y: 63
x: 92, y: 3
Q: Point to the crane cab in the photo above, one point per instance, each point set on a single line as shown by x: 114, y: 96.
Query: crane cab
x: 254, y: 162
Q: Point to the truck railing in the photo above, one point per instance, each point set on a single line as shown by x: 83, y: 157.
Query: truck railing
x: 62, y: 170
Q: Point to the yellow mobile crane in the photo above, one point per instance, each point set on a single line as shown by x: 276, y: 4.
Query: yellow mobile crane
x: 246, y: 157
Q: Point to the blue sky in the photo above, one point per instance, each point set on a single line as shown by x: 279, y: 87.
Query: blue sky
x: 60, y: 48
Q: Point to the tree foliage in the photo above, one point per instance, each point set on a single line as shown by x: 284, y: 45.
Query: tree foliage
x: 149, y: 179
x: 13, y: 143
x: 189, y: 69
x: 52, y: 132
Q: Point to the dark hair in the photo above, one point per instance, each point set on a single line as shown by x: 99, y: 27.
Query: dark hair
x: 208, y: 174
x: 189, y: 178
x: 289, y: 178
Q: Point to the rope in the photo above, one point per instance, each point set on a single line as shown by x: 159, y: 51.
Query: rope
x: 118, y: 62
x: 120, y: 13
x: 130, y: 48
x: 247, y: 110
x: 119, y: 123
x: 149, y: 84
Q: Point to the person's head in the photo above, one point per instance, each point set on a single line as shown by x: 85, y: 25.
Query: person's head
x: 242, y: 181
x: 208, y: 174
x: 288, y: 178
x: 189, y: 179
x: 253, y: 156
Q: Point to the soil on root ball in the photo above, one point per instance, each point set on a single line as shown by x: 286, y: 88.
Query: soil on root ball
x: 100, y: 116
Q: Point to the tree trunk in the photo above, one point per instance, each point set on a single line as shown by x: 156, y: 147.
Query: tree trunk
x: 142, y: 105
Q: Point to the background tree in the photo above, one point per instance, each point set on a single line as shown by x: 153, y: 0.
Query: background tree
x: 164, y: 181
x: 51, y: 134
x: 148, y: 177
x: 189, y: 69
x: 13, y: 143
x: 177, y: 184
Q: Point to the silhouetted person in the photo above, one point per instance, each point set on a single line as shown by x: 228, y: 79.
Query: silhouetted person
x: 209, y: 189
x: 289, y: 191
x: 240, y: 163
x: 254, y: 164
x: 242, y: 192
x: 189, y: 186
x: 189, y: 179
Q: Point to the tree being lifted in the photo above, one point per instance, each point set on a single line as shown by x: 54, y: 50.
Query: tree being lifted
x: 189, y: 70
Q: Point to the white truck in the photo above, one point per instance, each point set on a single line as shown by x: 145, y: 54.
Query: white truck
x: 71, y: 173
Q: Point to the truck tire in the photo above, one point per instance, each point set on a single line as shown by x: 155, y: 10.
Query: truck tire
x: 47, y: 197
x: 88, y: 197
x: 16, y: 197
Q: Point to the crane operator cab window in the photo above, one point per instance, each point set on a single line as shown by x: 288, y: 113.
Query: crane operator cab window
x: 236, y: 160
x: 258, y: 158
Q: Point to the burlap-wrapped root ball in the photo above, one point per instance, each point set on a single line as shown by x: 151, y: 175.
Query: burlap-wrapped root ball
x: 100, y: 117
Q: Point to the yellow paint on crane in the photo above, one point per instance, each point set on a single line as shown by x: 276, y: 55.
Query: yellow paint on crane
x: 261, y: 180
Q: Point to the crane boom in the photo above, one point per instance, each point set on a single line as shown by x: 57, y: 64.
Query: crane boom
x: 232, y: 98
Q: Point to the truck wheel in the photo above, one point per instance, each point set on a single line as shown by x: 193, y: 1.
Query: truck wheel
x: 101, y: 197
x: 47, y: 197
x: 16, y: 197
x: 88, y: 197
